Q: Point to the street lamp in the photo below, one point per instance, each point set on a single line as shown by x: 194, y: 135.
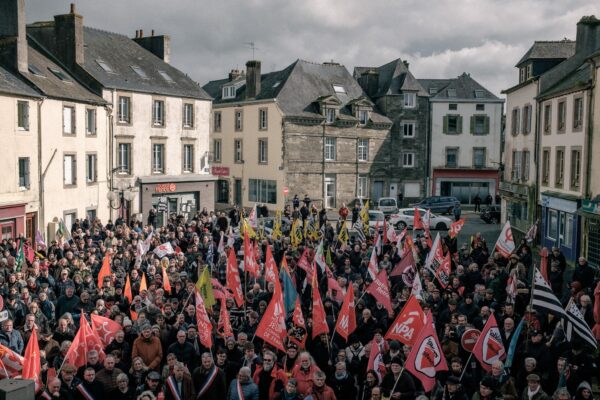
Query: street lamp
x: 123, y: 192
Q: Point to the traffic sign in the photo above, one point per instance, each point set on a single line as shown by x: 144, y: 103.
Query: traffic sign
x: 286, y: 190
x: 469, y: 338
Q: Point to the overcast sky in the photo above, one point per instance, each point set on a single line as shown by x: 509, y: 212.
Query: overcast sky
x: 439, y: 38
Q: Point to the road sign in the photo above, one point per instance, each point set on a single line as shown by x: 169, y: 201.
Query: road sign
x: 286, y: 190
x: 469, y: 338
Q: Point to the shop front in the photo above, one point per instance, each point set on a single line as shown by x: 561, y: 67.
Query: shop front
x: 560, y: 223
x: 465, y: 184
x: 590, y: 223
x: 176, y: 195
x: 518, y: 207
x: 12, y: 221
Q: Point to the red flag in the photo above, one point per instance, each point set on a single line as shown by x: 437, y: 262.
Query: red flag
x: 249, y: 257
x: 271, y: 272
x: 318, y: 311
x: 143, y: 285
x: 489, y: 347
x: 408, y: 323
x: 426, y: 357
x: 346, y: 323
x: 380, y: 289
x: 373, y: 264
x: 105, y: 328
x: 11, y: 363
x: 444, y: 270
x: 455, y: 228
x: 271, y: 327
x: 385, y: 237
x: 219, y: 290
x: 405, y: 263
x: 298, y: 335
x: 544, y: 263
x: 104, y: 271
x: 85, y: 340
x: 376, y: 360
x: 127, y: 290
x: 224, y: 326
x: 304, y: 264
x: 233, y: 278
x: 204, y: 324
x: 166, y: 283
x: 417, y: 221
x: 31, y: 367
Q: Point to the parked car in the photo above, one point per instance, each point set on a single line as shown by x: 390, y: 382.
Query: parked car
x: 387, y: 205
x: 438, y: 204
x: 491, y: 214
x: 405, y: 218
x: 375, y: 217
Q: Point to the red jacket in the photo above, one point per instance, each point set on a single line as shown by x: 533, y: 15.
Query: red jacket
x: 326, y: 393
x: 304, y: 379
x: 277, y: 375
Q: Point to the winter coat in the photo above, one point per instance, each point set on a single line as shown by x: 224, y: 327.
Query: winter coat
x: 149, y: 349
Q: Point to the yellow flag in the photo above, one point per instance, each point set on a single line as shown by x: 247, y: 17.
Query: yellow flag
x: 296, y: 233
x: 343, y: 235
x: 276, y: 233
x: 247, y: 228
x: 204, y: 286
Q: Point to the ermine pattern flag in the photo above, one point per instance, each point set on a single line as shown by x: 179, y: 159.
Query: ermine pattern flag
x: 505, y: 244
x: 408, y: 323
x: 346, y: 323
x: 575, y: 322
x: 358, y: 228
x: 489, y: 347
x: 544, y: 298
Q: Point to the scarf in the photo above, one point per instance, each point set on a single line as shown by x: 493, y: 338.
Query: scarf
x: 530, y: 394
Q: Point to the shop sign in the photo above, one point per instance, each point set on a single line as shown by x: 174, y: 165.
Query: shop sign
x: 162, y: 205
x: 589, y: 207
x: 220, y: 171
x: 165, y: 187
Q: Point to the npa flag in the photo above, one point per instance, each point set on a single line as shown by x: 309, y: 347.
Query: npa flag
x: 417, y: 221
x: 233, y: 278
x: 85, y: 340
x: 105, y: 328
x: 505, y: 244
x: 489, y: 347
x: 11, y: 363
x: 373, y: 264
x: 318, y: 311
x: 249, y: 257
x: 426, y: 357
x: 298, y: 331
x: 455, y: 228
x: 165, y: 279
x: 32, y: 368
x: 271, y: 327
x: 408, y: 261
x: 127, y: 291
x: 224, y: 325
x: 164, y: 250
x: 408, y: 323
x: 104, y: 270
x: 204, y: 324
x: 444, y: 270
x: 380, y: 289
x: 376, y: 360
x: 346, y: 323
x: 271, y: 272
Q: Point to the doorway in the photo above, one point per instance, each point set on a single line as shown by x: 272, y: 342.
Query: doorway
x: 330, y: 191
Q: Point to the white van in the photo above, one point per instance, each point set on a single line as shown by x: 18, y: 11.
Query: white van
x: 387, y: 205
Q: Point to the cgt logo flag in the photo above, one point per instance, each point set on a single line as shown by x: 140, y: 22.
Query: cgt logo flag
x: 489, y: 347
x: 272, y: 325
x: 505, y: 244
x: 408, y: 323
x: 426, y: 357
x: 455, y: 228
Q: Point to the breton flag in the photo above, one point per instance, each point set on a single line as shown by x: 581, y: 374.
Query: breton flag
x: 575, y: 322
x: 489, y: 347
x: 544, y: 298
x: 505, y: 244
x: 360, y: 234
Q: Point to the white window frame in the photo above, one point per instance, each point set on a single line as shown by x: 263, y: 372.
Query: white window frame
x: 124, y: 154
x: 229, y: 92
x: 124, y: 114
x: 90, y: 121
x: 408, y: 160
x: 188, y: 158
x: 238, y: 116
x: 263, y: 151
x: 70, y: 170
x: 91, y: 168
x: 158, y: 158
x: 69, y: 120
x: 24, y: 166
x: 408, y: 130
x: 263, y: 120
x: 363, y: 149
x: 330, y: 148
x: 362, y: 186
x: 363, y: 117
x: 238, y: 151
x: 188, y: 115
x: 23, y: 115
x: 330, y: 114
x: 158, y: 113
x: 217, y: 150
x: 410, y: 100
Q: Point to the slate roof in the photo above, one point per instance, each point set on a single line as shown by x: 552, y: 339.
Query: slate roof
x: 120, y: 53
x: 10, y: 83
x: 301, y: 84
x: 549, y: 50
x: 394, y: 78
x: 465, y: 88
x: 571, y: 74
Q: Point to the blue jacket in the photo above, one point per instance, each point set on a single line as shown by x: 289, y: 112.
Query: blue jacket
x: 13, y: 341
x: 249, y: 389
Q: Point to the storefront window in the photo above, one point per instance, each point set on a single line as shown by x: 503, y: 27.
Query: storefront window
x: 222, y: 191
x: 552, y: 224
x: 262, y: 191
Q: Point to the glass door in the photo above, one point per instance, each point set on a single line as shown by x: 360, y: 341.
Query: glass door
x: 330, y: 191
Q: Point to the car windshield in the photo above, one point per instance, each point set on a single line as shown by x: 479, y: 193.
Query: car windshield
x: 376, y: 217
x: 387, y: 202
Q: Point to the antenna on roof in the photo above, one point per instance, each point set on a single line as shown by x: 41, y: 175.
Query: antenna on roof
x: 251, y: 44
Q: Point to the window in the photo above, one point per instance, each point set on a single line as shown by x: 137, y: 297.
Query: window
x: 575, y: 168
x: 217, y: 150
x: 480, y: 124
x: 228, y: 92
x: 217, y: 121
x: 526, y: 125
x: 262, y: 119
x: 238, y: 155
x: 517, y: 158
x: 91, y: 168
x: 578, y: 113
x: 451, y: 92
x: 34, y: 70
x: 433, y: 90
x: 363, y: 149
x: 546, y: 166
x: 408, y: 129
x: 262, y: 191
x: 188, y: 115
x: 158, y: 113
x: 529, y: 71
x: 560, y: 167
x: 452, y: 124
x: 526, y: 164
x: 91, y: 214
x: 222, y: 191
x: 363, y: 117
x: 339, y: 89
x: 69, y: 120
x: 453, y: 106
x: 70, y: 170
x: 562, y: 113
x: 410, y: 100
x: 479, y: 157
x: 23, y: 115
x: 330, y: 115
x: 124, y: 113
x: 479, y: 94
x: 166, y: 76
x: 263, y: 151
x: 140, y: 72
x: 124, y: 158
x: 24, y: 181
x: 362, y: 186
x: 90, y: 121
x: 479, y: 107
x: 239, y: 120
x: 522, y: 74
x: 104, y: 66
x: 60, y: 75
x: 158, y: 158
x: 330, y: 149
x: 408, y: 160
x: 515, y: 121
x: 451, y: 157
x: 547, y: 118
x: 552, y: 230
x: 188, y: 158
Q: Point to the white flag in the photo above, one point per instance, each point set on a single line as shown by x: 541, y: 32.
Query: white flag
x: 164, y: 250
x: 417, y: 287
x: 505, y: 244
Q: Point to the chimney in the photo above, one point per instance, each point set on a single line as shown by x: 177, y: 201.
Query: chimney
x: 157, y: 45
x: 588, y: 35
x: 234, y: 74
x: 252, y: 79
x: 369, y: 81
x: 406, y: 64
x: 13, y: 36
x: 68, y: 30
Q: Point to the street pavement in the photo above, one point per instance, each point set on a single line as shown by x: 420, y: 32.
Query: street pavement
x: 474, y: 224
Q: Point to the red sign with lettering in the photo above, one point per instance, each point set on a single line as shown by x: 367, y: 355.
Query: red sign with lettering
x: 165, y: 187
x: 220, y: 171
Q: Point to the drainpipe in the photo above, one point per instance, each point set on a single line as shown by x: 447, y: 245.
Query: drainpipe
x: 536, y: 156
x: 41, y: 214
x: 324, y: 196
x: 110, y: 139
x: 590, y: 140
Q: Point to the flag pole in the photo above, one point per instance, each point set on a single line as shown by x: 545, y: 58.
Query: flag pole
x: 530, y: 307
x: 396, y: 382
x: 466, y: 366
x: 6, y: 372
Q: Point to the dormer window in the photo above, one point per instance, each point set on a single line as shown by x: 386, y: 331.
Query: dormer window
x: 165, y: 76
x: 479, y: 94
x: 529, y: 71
x: 433, y: 90
x: 410, y: 100
x: 363, y: 117
x: 451, y: 92
x: 229, y: 92
x: 339, y: 89
x: 330, y: 115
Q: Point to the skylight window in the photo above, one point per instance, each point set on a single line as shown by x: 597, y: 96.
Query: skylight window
x: 479, y: 94
x: 104, y: 66
x: 35, y: 71
x: 276, y: 84
x: 59, y: 74
x: 451, y: 92
x: 433, y: 90
x: 339, y: 89
x: 165, y: 76
x: 141, y: 73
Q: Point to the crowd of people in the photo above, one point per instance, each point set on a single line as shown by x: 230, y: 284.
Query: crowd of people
x: 157, y: 353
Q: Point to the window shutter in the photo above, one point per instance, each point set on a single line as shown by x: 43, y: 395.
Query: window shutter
x: 95, y: 168
x: 26, y: 116
x: 472, y: 122
x: 445, y: 128
x: 74, y: 170
x: 459, y: 124
x: 486, y: 125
